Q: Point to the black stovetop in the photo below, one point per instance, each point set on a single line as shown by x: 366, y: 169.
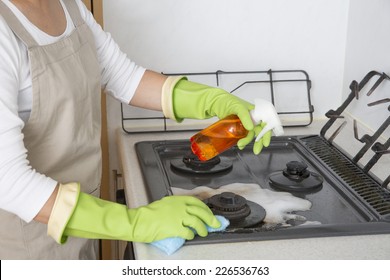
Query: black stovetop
x: 349, y: 202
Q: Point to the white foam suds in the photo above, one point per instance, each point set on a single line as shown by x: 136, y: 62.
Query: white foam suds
x: 278, y: 205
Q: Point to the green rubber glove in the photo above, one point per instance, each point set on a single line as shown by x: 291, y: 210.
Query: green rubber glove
x: 258, y: 145
x: 172, y: 216
x: 197, y: 101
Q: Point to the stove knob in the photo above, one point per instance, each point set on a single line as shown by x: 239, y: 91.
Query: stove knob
x: 296, y: 169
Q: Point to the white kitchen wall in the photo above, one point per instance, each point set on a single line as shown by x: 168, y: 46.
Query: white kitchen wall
x: 335, y: 41
x: 208, y: 35
x: 232, y: 35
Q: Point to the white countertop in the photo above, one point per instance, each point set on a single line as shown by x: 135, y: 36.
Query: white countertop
x: 334, y: 248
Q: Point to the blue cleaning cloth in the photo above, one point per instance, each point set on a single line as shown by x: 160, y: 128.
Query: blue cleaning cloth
x: 172, y: 244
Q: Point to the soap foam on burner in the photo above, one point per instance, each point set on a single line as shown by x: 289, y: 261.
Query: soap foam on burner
x: 278, y: 205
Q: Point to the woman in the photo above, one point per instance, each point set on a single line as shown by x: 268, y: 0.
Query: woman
x: 54, y: 60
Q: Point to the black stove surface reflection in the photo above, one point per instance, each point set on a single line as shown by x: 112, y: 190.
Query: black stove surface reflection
x: 308, y: 167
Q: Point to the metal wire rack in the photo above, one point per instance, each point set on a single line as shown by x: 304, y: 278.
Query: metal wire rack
x: 371, y: 145
x: 246, y: 84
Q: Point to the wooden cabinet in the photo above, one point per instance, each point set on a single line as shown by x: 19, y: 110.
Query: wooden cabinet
x: 96, y: 7
x: 88, y: 3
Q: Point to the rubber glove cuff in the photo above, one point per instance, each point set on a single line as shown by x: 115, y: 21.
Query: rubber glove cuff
x: 167, y: 97
x: 63, y: 208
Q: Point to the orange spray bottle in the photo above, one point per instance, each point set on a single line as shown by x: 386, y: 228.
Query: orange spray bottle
x: 226, y: 132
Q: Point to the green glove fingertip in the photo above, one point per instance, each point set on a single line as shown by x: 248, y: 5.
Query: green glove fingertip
x: 257, y: 147
x: 187, y: 234
x: 246, y: 140
x: 215, y: 223
x: 267, y: 138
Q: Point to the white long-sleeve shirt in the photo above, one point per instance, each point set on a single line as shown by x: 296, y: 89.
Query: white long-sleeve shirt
x: 23, y: 191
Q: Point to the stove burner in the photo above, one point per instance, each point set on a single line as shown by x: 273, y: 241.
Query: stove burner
x: 191, y: 164
x: 296, y: 178
x: 240, y: 212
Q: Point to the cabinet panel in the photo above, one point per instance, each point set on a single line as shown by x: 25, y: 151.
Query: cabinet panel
x: 88, y: 4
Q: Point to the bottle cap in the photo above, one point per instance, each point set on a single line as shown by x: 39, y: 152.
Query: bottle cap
x: 265, y: 112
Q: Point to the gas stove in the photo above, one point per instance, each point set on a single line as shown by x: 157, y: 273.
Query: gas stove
x: 341, y: 197
x: 324, y: 189
x: 344, y: 199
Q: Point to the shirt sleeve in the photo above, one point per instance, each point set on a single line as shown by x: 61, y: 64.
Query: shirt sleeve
x: 23, y: 191
x: 120, y: 75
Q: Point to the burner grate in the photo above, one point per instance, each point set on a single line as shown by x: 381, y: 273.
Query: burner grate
x: 355, y: 178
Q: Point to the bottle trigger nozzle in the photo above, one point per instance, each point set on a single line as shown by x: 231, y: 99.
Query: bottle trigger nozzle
x: 265, y: 112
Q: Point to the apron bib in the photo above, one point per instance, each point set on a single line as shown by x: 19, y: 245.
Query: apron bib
x: 62, y: 135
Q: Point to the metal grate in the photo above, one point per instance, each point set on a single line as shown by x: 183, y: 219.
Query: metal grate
x: 236, y: 82
x: 361, y: 183
x: 369, y: 141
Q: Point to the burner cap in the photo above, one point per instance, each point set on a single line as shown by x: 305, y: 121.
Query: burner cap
x: 240, y: 212
x: 191, y: 164
x: 296, y: 178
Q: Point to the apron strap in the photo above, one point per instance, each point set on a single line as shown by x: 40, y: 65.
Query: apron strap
x: 74, y: 12
x: 16, y: 26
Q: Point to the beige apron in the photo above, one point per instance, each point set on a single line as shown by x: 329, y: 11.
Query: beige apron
x: 62, y: 135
